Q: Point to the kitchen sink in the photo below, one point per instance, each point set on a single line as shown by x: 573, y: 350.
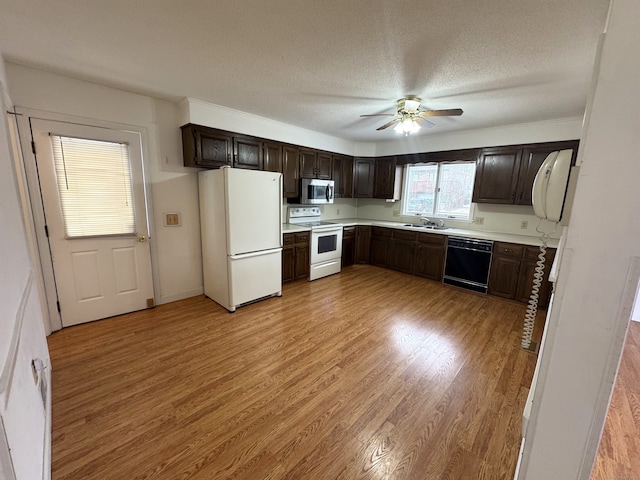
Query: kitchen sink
x: 425, y: 227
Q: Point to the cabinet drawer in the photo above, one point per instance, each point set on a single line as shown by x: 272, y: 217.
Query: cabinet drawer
x: 288, y: 239
x: 381, y: 232
x: 404, y: 235
x: 302, y: 237
x: 508, y: 249
x: 432, y: 238
x: 348, y: 232
x: 531, y: 253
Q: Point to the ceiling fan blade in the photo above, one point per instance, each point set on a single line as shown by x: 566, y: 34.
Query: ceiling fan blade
x: 453, y: 112
x: 380, y: 115
x: 427, y: 122
x: 388, y: 124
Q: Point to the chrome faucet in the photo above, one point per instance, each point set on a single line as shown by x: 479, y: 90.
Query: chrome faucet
x: 431, y: 223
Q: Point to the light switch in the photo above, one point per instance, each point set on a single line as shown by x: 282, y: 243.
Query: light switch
x: 172, y: 219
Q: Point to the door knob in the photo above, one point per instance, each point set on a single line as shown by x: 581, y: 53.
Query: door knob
x: 142, y: 238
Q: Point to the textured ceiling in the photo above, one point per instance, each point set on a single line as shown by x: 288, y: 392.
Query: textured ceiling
x: 320, y: 64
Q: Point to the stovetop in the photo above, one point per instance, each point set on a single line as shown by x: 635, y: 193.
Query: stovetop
x: 308, y: 217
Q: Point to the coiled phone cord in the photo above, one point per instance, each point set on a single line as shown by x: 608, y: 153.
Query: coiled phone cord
x: 532, y: 307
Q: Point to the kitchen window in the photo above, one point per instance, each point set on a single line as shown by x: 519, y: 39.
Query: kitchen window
x: 439, y: 190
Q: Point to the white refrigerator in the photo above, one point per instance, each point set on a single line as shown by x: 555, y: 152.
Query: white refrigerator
x: 241, y: 229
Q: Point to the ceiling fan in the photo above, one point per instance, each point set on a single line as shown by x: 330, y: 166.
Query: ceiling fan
x: 408, y: 113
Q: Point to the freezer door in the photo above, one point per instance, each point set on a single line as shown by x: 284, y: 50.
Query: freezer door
x: 255, y: 275
x: 254, y: 210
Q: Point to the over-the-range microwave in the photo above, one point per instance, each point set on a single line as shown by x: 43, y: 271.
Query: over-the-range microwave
x: 316, y: 192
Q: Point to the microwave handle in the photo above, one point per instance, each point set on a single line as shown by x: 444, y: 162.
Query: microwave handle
x: 328, y: 193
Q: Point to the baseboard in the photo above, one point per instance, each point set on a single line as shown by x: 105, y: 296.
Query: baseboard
x: 181, y: 296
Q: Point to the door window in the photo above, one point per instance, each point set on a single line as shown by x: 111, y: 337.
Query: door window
x: 94, y: 183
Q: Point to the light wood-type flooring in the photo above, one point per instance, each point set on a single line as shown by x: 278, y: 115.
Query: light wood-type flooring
x: 369, y: 374
x: 619, y: 451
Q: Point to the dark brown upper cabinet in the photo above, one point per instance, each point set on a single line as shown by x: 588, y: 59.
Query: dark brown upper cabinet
x: 272, y: 156
x: 531, y: 160
x: 363, y: 174
x: 497, y: 175
x: 206, y: 147
x: 290, y: 173
x: 506, y: 174
x: 342, y: 172
x: 314, y: 164
x: 247, y: 153
x: 384, y: 177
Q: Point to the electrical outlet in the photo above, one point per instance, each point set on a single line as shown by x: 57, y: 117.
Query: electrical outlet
x: 338, y: 211
x: 479, y: 221
x: 396, y: 213
x: 524, y: 224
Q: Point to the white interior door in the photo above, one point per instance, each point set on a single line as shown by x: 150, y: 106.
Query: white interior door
x: 92, y: 186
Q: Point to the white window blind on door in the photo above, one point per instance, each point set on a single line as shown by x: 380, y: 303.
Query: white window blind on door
x: 94, y: 183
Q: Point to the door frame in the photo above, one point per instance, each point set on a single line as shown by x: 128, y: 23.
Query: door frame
x: 24, y: 115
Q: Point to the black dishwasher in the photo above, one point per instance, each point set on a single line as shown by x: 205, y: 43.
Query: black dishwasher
x: 468, y: 262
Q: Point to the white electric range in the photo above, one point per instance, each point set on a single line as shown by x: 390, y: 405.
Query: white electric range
x: 326, y: 241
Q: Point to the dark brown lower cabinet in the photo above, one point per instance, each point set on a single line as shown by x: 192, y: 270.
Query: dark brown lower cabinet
x: 512, y: 270
x: 402, y: 251
x: 430, y: 255
x: 380, y: 243
x: 525, y: 283
x: 504, y: 276
x: 295, y: 256
x: 363, y: 243
x: 348, y: 246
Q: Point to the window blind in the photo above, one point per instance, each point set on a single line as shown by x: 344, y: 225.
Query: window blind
x: 94, y: 183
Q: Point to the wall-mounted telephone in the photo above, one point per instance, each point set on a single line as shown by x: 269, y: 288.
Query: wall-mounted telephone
x: 550, y: 185
x: 548, y: 195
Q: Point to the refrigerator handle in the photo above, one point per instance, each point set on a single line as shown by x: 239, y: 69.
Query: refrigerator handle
x: 255, y: 254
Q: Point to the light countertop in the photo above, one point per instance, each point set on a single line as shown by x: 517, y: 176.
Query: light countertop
x: 455, y: 232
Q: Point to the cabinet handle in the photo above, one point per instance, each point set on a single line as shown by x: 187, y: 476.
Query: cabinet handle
x: 513, y: 196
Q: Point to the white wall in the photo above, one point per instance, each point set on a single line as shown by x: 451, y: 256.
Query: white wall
x: 598, y: 275
x: 176, y: 250
x: 22, y: 336
x: 496, y: 218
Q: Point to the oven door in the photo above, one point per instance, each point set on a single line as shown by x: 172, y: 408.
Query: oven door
x: 326, y: 244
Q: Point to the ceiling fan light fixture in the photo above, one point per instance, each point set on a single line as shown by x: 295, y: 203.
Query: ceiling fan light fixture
x: 407, y: 125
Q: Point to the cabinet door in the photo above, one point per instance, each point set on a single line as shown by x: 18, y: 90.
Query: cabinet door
x: 302, y: 262
x: 503, y: 280
x: 347, y: 177
x: 288, y: 262
x: 324, y: 166
x: 206, y: 147
x: 532, y: 158
x: 247, y: 153
x: 525, y: 282
x: 384, y: 177
x: 308, y: 163
x: 497, y: 176
x: 348, y: 247
x: 337, y: 176
x: 363, y: 243
x: 429, y: 261
x: 380, y: 251
x: 272, y: 157
x: 290, y: 183
x: 401, y: 255
x: 363, y: 177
